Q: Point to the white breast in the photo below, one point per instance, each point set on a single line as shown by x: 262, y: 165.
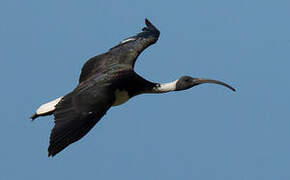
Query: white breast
x: 121, y: 97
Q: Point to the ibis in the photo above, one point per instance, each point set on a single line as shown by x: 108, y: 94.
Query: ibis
x: 107, y: 80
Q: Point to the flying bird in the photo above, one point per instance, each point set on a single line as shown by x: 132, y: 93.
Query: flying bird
x: 106, y: 80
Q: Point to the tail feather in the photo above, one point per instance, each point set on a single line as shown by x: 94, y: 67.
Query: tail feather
x: 46, y: 109
x: 34, y: 116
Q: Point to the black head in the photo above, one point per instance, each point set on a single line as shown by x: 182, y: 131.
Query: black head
x: 186, y: 82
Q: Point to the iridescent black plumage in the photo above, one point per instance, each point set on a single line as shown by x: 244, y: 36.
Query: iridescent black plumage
x: 101, y: 76
x: 106, y: 80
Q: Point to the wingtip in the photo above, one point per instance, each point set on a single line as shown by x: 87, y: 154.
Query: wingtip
x: 147, y: 22
x: 150, y: 27
x: 54, y: 149
x: 51, y: 153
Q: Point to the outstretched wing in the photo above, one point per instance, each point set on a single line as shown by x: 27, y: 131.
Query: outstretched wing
x: 124, y: 53
x: 77, y: 113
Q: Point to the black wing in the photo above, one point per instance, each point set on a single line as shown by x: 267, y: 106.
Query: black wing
x: 77, y: 113
x: 124, y: 53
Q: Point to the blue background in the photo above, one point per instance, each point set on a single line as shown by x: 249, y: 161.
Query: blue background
x: 205, y: 133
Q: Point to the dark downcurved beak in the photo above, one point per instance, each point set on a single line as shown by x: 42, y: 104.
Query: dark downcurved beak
x: 201, y: 81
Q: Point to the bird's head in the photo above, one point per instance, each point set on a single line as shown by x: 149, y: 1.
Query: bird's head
x: 186, y: 82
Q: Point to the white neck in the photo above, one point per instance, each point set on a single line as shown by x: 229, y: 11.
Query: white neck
x: 165, y: 87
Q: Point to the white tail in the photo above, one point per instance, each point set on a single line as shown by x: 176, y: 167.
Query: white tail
x: 46, y: 109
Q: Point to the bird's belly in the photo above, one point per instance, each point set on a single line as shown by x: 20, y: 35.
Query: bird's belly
x: 121, y: 97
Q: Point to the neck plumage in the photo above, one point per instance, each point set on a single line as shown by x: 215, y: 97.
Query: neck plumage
x: 165, y: 87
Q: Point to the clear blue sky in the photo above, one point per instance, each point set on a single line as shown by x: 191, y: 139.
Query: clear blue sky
x: 206, y: 133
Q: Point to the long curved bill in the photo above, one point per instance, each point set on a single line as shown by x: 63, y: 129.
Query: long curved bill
x: 201, y: 81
